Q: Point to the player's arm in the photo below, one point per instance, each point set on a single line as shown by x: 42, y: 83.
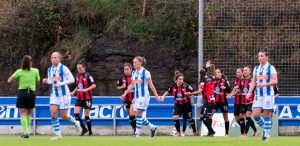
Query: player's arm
x: 121, y: 85
x: 10, y: 79
x: 162, y: 99
x: 152, y: 87
x: 74, y: 91
x: 91, y: 84
x: 234, y: 91
x: 130, y: 87
x: 273, y: 82
x: 48, y: 79
x: 252, y: 87
x: 196, y: 92
x: 69, y: 79
x: 13, y: 77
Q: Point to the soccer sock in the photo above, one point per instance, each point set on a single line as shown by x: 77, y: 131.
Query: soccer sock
x: 192, y: 122
x: 24, y: 124
x: 243, y: 125
x: 28, y: 122
x: 260, y: 121
x: 177, y: 125
x: 71, y: 120
x: 227, y: 127
x: 249, y: 122
x: 207, y: 123
x: 88, y: 123
x: 80, y: 121
x: 56, y: 126
x: 184, y: 122
x: 267, y: 125
x: 132, y: 122
x: 147, y: 123
x: 139, y: 124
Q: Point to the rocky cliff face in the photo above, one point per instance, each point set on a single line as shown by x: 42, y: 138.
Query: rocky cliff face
x: 106, y: 59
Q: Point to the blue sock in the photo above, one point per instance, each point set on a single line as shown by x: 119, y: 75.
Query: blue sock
x: 139, y: 124
x: 147, y: 123
x: 260, y: 121
x: 56, y: 126
x: 267, y: 125
x: 71, y: 120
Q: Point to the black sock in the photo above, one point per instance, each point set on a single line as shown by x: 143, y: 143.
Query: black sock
x: 184, y: 122
x: 227, y: 127
x: 192, y: 122
x: 77, y: 118
x: 132, y: 121
x: 250, y: 123
x: 243, y: 125
x: 207, y: 123
x: 177, y: 125
x: 89, y: 123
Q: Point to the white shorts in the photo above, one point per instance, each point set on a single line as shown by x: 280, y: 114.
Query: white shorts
x: 141, y: 103
x: 266, y: 103
x: 63, y: 102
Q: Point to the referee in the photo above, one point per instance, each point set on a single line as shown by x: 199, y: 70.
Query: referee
x: 28, y: 78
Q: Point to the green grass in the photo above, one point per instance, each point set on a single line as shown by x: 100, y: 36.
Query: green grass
x: 146, y: 141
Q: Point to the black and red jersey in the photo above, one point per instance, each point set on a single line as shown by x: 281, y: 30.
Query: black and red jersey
x: 84, y: 81
x: 220, y: 94
x: 276, y: 89
x: 244, y: 88
x: 178, y: 92
x: 208, y: 86
x: 238, y: 98
x: 127, y: 81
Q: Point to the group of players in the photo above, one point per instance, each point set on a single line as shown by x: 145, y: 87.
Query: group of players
x: 253, y: 96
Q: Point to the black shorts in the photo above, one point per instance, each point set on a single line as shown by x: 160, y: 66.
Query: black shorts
x: 26, y: 99
x: 127, y: 104
x: 222, y: 106
x: 249, y: 107
x: 207, y: 108
x: 240, y: 108
x: 86, y: 104
x: 184, y: 110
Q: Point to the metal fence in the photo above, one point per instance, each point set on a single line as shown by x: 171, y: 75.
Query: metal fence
x: 235, y: 30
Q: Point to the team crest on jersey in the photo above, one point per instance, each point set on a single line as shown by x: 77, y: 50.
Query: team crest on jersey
x: 246, y: 90
x: 80, y: 86
x: 217, y: 90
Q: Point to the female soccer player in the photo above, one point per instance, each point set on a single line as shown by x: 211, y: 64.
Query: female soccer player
x: 84, y: 87
x: 244, y: 87
x: 222, y: 87
x: 263, y: 81
x: 123, y: 84
x: 182, y: 102
x: 207, y: 85
x: 141, y: 79
x: 59, y: 76
x: 28, y: 78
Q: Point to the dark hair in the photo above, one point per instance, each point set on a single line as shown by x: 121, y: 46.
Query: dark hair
x: 203, y: 74
x: 223, y: 75
x: 240, y: 68
x: 248, y: 67
x: 82, y: 62
x: 265, y: 51
x: 26, y: 62
x: 177, y: 75
x: 141, y: 59
x: 128, y: 65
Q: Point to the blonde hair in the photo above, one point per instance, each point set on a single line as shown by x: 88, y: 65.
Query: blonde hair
x: 141, y: 59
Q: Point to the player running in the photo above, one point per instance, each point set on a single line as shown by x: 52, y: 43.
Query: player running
x: 28, y: 78
x: 183, y: 102
x: 264, y: 79
x: 84, y: 86
x: 59, y: 77
x: 141, y: 79
x: 123, y: 84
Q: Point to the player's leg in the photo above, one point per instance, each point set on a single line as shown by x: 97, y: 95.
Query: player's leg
x: 28, y: 117
x: 256, y: 110
x: 268, y: 105
x: 249, y: 121
x: 176, y: 115
x: 206, y: 111
x: 242, y: 119
x: 236, y: 113
x: 24, y: 123
x: 132, y: 119
x: 187, y: 114
x: 77, y: 110
x: 224, y: 110
x: 87, y: 111
x: 55, y: 122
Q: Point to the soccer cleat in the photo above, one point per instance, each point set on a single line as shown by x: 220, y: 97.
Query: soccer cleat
x: 265, y: 136
x: 195, y: 134
x: 83, y: 132
x: 153, y: 130
x: 58, y: 137
x: 78, y: 127
x: 256, y: 133
x: 182, y: 134
x: 226, y: 135
x: 90, y: 133
x: 177, y: 134
x: 24, y: 136
x: 136, y: 135
x: 211, y: 133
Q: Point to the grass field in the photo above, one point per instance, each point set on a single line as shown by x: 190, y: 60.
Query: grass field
x: 147, y: 141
